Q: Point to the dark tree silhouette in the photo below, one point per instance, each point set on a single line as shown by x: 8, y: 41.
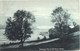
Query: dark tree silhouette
x: 20, y: 27
x: 9, y: 30
x: 60, y: 17
x: 76, y: 27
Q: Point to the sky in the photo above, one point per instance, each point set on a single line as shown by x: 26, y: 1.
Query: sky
x: 41, y: 9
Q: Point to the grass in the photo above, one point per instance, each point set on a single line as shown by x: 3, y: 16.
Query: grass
x: 66, y: 44
x: 24, y: 42
x: 70, y: 44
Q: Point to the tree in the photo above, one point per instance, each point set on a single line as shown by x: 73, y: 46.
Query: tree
x: 60, y: 17
x: 53, y: 33
x: 76, y: 27
x: 9, y: 32
x: 20, y: 27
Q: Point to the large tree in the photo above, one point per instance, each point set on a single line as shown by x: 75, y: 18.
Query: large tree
x: 61, y: 17
x: 20, y: 27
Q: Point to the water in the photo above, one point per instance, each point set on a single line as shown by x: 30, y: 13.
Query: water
x: 34, y: 36
x: 3, y: 38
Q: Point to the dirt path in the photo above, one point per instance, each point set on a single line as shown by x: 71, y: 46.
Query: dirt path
x: 27, y: 44
x: 34, y: 43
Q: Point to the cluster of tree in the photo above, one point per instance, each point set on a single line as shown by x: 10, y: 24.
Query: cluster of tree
x: 76, y: 28
x: 53, y: 32
x: 60, y: 18
x: 19, y: 28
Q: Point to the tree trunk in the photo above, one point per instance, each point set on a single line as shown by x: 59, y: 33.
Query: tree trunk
x: 61, y: 31
x: 22, y: 42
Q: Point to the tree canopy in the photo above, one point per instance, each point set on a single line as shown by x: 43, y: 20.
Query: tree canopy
x: 61, y: 17
x: 20, y: 27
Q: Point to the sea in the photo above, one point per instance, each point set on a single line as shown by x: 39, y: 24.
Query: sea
x: 34, y: 36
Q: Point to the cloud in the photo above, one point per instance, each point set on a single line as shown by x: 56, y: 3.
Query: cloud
x: 40, y: 8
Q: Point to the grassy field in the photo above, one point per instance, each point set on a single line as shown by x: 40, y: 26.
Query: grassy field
x: 66, y: 44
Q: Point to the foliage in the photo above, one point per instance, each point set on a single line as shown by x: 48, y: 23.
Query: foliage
x: 20, y: 27
x: 53, y: 33
x: 60, y: 17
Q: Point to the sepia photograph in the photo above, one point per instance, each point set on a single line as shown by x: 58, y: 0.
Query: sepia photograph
x: 39, y: 25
